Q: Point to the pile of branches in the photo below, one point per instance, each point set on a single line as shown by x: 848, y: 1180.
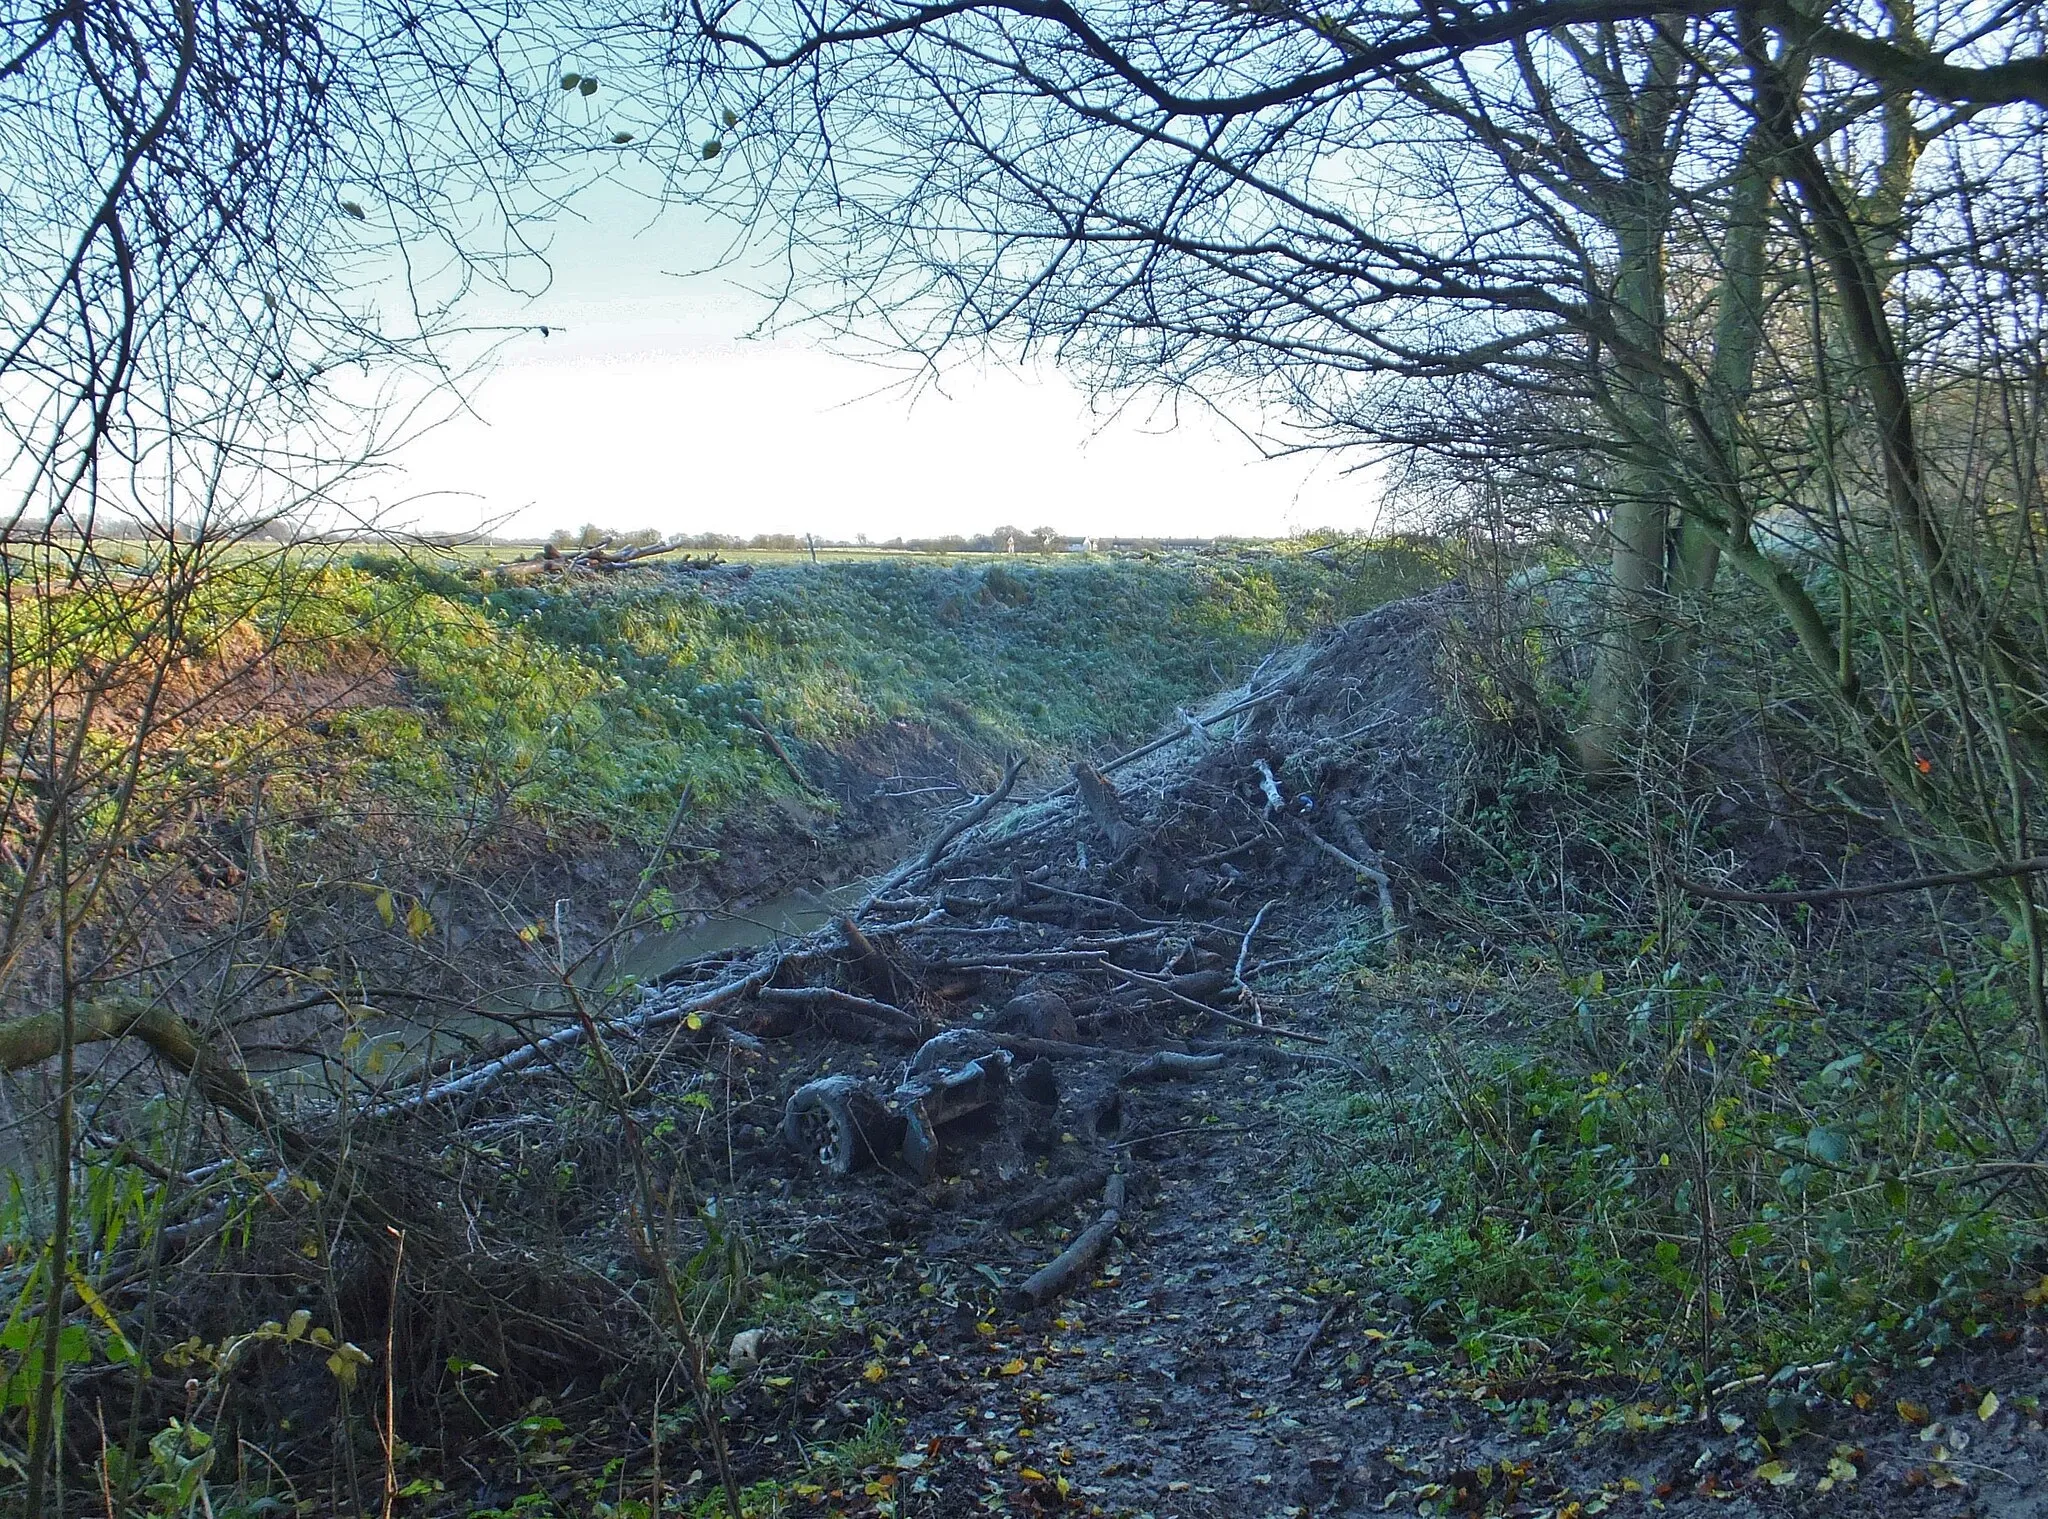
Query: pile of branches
x: 1053, y: 979
x: 602, y: 558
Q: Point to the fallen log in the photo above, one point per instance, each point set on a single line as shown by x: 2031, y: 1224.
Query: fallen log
x: 890, y: 1016
x: 1170, y: 1065
x: 1048, y: 1200
x: 1059, y: 1275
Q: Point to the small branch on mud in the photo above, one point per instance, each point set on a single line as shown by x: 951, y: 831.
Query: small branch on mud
x: 1110, y: 766
x: 1071, y: 1264
x: 1052, y: 1049
x: 1272, y: 1054
x: 1315, y: 1336
x: 1220, y: 855
x: 1027, y: 959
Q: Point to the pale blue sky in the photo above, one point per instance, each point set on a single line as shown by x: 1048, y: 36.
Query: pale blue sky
x: 650, y: 405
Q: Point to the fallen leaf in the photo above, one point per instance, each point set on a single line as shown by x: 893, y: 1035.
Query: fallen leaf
x: 1988, y: 1409
x: 874, y: 1371
x: 1777, y: 1473
x: 1913, y: 1413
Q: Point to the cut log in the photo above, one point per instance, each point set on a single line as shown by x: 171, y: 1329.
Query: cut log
x: 1059, y: 1276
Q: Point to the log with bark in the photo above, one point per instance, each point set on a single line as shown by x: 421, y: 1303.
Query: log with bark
x: 1065, y: 1270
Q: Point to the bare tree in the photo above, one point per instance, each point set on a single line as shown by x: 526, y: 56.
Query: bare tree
x: 1369, y: 218
x: 229, y: 231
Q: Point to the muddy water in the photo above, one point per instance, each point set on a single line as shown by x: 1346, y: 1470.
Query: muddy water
x: 387, y: 1048
x: 654, y: 955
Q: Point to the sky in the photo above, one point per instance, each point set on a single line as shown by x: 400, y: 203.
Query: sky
x: 651, y: 403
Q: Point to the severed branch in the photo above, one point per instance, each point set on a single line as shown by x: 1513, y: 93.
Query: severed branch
x: 1245, y: 949
x: 2035, y: 865
x: 223, y: 1082
x: 568, y: 1037
x: 1100, y: 800
x: 1166, y: 988
x: 893, y: 1018
x: 1170, y: 1065
x: 1058, y: 1277
x: 950, y: 832
x: 1372, y: 873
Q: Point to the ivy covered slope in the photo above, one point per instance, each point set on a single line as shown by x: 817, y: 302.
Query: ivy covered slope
x: 593, y: 705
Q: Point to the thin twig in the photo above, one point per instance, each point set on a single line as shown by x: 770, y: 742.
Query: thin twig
x: 1308, y: 1346
x: 2035, y: 865
x: 1244, y: 950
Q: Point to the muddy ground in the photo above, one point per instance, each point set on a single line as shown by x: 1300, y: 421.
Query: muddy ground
x: 1108, y: 1002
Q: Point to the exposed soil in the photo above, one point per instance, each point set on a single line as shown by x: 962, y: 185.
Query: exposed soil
x: 1096, y: 985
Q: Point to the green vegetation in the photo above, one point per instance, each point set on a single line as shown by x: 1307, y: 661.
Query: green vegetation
x: 1644, y: 1137
x: 587, y: 705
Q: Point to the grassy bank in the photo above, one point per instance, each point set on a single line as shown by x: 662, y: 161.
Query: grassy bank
x: 593, y: 706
